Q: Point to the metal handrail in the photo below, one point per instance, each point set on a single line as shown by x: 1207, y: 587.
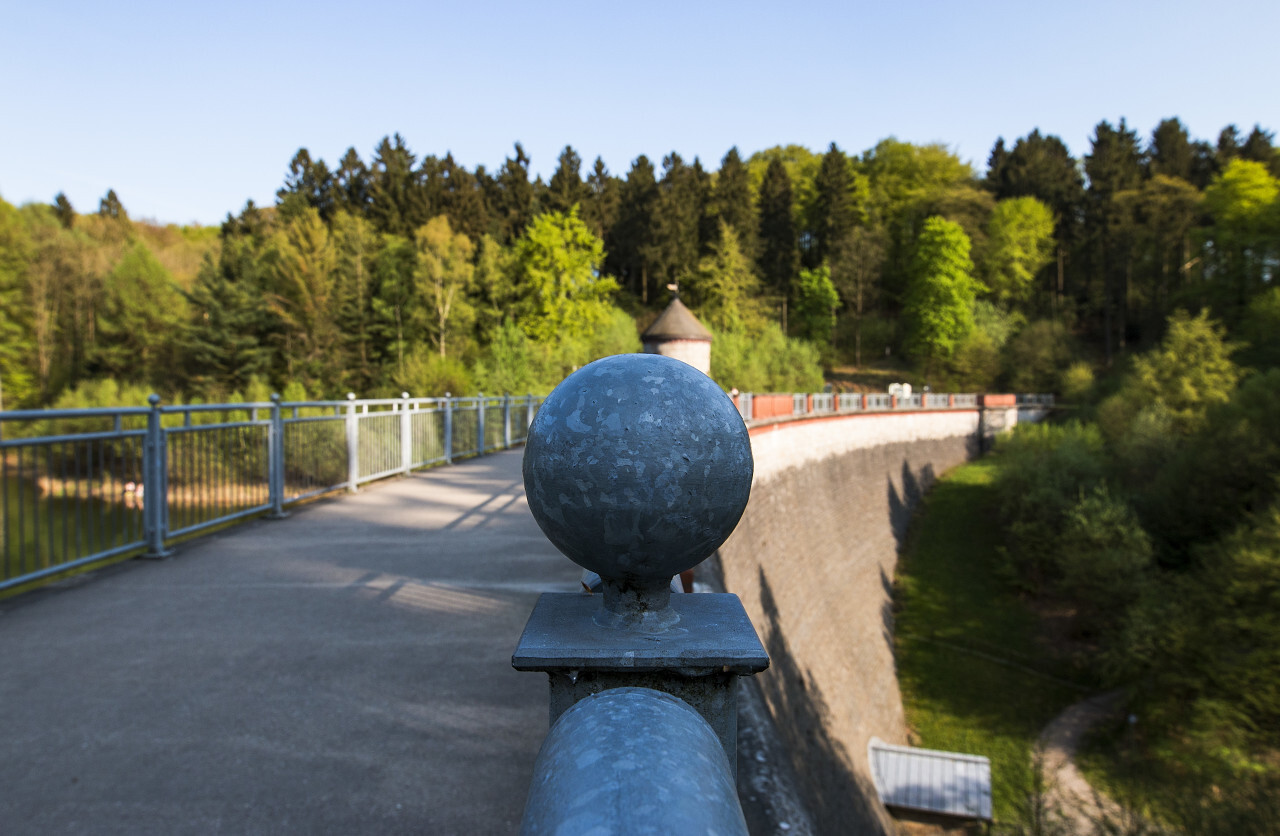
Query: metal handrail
x: 76, y: 497
x: 827, y: 403
x: 70, y: 498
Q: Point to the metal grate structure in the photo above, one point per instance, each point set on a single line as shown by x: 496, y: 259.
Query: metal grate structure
x: 947, y: 783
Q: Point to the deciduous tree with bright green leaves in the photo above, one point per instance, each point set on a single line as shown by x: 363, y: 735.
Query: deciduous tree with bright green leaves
x: 815, y: 305
x: 557, y: 264
x: 938, y: 305
x: 1019, y: 244
x: 723, y: 289
x: 444, y: 275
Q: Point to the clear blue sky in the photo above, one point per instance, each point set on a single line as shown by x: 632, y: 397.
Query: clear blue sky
x: 188, y: 109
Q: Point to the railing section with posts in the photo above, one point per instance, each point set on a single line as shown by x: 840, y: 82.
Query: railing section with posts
x: 83, y: 485
x: 757, y: 408
x: 79, y: 486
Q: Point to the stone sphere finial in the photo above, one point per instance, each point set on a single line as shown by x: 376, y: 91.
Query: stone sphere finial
x: 637, y: 467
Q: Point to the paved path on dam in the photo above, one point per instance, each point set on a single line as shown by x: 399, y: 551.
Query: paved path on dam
x: 346, y: 670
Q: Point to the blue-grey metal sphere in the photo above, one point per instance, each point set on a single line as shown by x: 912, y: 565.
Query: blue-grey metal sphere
x: 637, y: 467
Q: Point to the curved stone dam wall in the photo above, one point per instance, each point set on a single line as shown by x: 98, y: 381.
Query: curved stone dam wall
x: 813, y: 560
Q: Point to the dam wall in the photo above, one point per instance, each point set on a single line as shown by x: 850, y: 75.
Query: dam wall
x: 813, y: 561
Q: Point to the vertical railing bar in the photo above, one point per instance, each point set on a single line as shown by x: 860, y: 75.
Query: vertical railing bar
x: 353, y: 464
x: 4, y: 497
x: 42, y: 562
x: 65, y: 508
x: 448, y: 429
x: 100, y: 523
x: 22, y: 520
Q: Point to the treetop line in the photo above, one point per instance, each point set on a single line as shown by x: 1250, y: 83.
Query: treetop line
x: 417, y: 273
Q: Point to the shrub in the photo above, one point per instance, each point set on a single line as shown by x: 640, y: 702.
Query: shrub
x: 1044, y: 470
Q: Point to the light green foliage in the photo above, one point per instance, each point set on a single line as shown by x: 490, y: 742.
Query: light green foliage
x: 801, y: 166
x: 17, y: 384
x: 975, y: 365
x: 815, y: 305
x: 303, y: 297
x: 356, y: 247
x: 723, y: 291
x: 1019, y: 244
x: 1246, y: 224
x: 515, y: 363
x: 765, y: 361
x: 1218, y: 475
x: 903, y: 175
x: 428, y: 373
x: 1037, y: 355
x: 557, y: 265
x: 508, y: 364
x: 1044, y: 469
x: 999, y: 325
x: 938, y: 307
x: 1189, y: 372
x: 395, y: 307
x: 1241, y: 199
x: 1077, y: 382
x: 444, y: 275
x: 140, y: 315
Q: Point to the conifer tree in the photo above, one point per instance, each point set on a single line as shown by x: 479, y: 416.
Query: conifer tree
x: 1113, y: 165
x: 397, y: 200
x: 111, y: 207
x: 777, y: 230
x: 463, y: 200
x: 513, y: 204
x: 630, y: 246
x: 1171, y: 150
x: 732, y: 201
x: 565, y: 189
x: 64, y: 211
x: 351, y: 184
x: 676, y: 225
x: 600, y: 206
x: 833, y: 212
x: 308, y: 184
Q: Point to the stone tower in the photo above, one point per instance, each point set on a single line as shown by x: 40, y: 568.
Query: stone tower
x: 678, y: 333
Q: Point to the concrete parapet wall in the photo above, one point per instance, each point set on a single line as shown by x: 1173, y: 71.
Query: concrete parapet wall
x: 813, y: 560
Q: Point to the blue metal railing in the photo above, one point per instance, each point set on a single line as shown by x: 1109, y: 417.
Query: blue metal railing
x: 83, y: 485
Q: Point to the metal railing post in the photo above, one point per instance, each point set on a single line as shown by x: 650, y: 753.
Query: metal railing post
x: 406, y: 434
x: 480, y: 424
x: 448, y: 428
x: 506, y: 421
x: 275, y: 460
x: 353, y: 443
x: 528, y: 413
x: 639, y: 711
x: 155, y: 493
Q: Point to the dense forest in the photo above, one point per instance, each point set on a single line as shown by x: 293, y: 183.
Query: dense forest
x: 407, y: 273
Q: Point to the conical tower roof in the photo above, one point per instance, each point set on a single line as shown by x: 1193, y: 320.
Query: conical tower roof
x: 675, y: 323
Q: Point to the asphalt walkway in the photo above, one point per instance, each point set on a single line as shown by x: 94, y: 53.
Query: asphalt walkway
x: 347, y: 670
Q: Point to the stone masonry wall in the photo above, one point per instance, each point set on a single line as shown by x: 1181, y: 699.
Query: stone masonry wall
x: 813, y: 560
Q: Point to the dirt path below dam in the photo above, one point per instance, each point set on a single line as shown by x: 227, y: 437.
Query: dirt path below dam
x: 1069, y: 795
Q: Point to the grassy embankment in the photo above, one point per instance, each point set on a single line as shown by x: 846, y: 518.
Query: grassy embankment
x: 976, y: 673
